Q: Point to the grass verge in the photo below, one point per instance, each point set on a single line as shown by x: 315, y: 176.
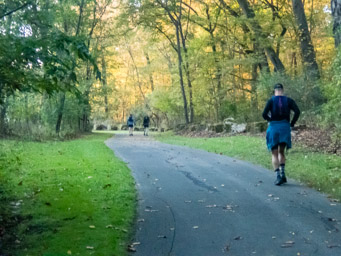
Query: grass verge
x: 64, y: 198
x: 317, y: 170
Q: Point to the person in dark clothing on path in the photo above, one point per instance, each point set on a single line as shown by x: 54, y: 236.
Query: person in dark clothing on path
x: 146, y: 121
x: 131, y: 123
x: 278, y: 134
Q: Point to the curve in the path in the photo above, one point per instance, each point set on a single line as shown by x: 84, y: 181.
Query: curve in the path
x: 192, y: 202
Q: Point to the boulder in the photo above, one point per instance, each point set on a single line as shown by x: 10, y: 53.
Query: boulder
x: 101, y: 127
x: 238, y: 128
x: 233, y: 127
x: 218, y: 128
x: 227, y: 127
x: 114, y: 128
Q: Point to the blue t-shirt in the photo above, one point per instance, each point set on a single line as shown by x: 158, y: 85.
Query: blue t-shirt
x: 278, y: 108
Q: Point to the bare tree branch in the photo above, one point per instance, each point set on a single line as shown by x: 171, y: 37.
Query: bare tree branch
x: 168, y: 38
x: 15, y: 10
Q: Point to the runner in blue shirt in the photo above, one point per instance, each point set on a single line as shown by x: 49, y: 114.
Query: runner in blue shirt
x: 278, y: 134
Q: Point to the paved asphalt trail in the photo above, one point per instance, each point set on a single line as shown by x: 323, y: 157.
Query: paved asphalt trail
x: 195, y: 203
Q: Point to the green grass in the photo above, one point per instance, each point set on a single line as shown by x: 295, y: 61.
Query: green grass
x: 65, y: 197
x: 318, y: 170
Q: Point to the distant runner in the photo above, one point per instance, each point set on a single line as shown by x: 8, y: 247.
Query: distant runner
x: 130, y: 123
x: 278, y: 134
x: 146, y: 121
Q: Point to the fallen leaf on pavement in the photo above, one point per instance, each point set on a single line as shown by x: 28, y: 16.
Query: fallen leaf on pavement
x: 227, y: 248
x: 333, y: 245
x: 131, y: 249
x: 238, y: 238
x: 288, y: 244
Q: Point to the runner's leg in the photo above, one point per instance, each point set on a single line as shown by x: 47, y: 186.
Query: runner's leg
x: 281, y: 153
x: 281, y: 158
x: 275, y: 160
x: 275, y: 164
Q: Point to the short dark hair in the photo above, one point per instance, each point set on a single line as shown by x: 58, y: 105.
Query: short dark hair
x: 278, y: 86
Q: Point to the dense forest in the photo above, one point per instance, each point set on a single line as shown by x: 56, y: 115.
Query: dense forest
x: 67, y: 65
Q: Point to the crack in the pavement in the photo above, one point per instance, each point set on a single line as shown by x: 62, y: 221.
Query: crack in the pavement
x: 174, y: 221
x: 198, y: 182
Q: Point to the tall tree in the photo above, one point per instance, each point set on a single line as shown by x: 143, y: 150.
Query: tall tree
x: 307, y: 48
x: 260, y: 35
x: 336, y: 12
x: 175, y: 10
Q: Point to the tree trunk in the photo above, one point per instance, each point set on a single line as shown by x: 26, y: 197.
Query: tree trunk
x: 139, y: 83
x: 3, y: 121
x: 219, y: 97
x: 254, y: 100
x: 180, y: 72
x: 189, y: 82
x: 336, y: 12
x: 60, y: 112
x: 260, y: 35
x: 105, y: 88
x: 150, y: 73
x: 294, y: 63
x: 307, y: 48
